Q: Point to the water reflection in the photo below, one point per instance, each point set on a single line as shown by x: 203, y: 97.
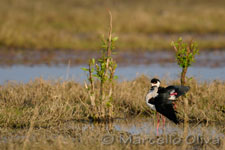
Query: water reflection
x: 120, y: 129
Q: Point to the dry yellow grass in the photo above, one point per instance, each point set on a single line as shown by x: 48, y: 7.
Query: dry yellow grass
x: 58, y: 102
x: 76, y: 24
x: 42, y: 114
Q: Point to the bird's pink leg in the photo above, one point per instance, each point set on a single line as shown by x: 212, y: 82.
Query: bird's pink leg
x: 157, y: 124
x: 164, y: 121
x: 174, y: 105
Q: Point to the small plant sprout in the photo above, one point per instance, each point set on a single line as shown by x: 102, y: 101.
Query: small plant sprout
x: 185, y: 55
x: 103, y: 70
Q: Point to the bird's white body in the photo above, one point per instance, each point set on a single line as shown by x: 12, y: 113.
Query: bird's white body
x: 153, y: 92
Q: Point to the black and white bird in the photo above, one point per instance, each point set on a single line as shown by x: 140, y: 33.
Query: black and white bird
x: 162, y: 99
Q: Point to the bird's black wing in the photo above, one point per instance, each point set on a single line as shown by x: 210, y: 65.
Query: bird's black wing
x: 151, y: 101
x: 167, y: 111
x: 180, y: 90
x: 165, y: 106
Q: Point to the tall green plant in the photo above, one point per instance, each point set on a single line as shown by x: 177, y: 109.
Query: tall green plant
x: 103, y: 70
x: 185, y: 55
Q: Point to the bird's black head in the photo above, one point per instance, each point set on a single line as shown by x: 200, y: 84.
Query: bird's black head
x: 155, y: 82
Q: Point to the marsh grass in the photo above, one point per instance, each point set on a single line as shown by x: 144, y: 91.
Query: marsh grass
x: 61, y: 101
x: 44, y: 114
x: 76, y: 24
x: 90, y: 136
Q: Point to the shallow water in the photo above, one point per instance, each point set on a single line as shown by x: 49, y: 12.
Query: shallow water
x: 22, y: 73
x: 119, y: 130
x: 26, y: 66
x: 58, y: 57
x: 139, y: 126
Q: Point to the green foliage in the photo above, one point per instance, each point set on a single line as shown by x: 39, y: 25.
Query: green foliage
x: 185, y: 53
x: 84, y: 69
x: 104, y: 66
x: 102, y: 69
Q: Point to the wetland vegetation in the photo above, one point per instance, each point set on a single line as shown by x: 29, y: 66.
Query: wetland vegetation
x: 38, y: 114
x: 74, y: 24
x: 59, y: 102
x: 103, y: 112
